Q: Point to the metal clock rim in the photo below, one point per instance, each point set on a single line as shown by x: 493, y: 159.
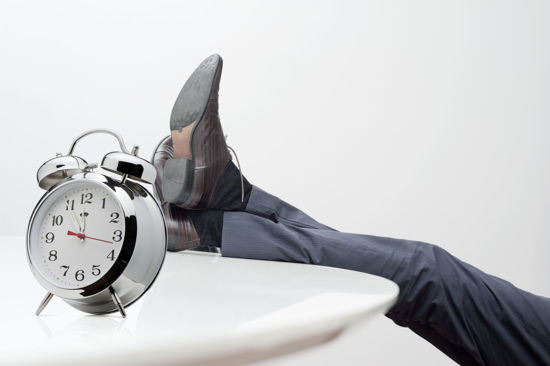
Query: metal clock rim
x: 155, y: 277
x: 123, y: 196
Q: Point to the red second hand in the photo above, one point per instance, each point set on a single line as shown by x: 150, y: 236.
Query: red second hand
x: 89, y: 237
x: 82, y: 236
x: 78, y: 235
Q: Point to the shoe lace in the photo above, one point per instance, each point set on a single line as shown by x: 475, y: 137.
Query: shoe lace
x: 238, y: 165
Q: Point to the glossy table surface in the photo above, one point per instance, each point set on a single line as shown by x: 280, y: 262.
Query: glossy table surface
x: 203, y: 309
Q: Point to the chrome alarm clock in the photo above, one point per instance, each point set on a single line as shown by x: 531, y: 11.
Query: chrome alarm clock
x: 97, y: 238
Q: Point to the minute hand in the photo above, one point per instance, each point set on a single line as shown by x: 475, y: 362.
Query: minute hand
x: 83, y: 214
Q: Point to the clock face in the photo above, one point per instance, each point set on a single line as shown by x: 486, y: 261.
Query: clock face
x: 77, y: 234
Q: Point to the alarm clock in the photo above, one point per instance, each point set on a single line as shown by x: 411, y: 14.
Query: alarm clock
x: 97, y: 238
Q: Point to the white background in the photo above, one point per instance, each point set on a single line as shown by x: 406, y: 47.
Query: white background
x: 426, y: 120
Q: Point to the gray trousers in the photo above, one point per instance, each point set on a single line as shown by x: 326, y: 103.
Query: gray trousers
x: 473, y: 317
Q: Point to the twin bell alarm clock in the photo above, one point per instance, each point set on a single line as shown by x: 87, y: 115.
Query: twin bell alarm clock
x: 97, y: 238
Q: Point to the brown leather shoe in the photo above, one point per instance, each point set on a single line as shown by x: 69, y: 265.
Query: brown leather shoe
x: 181, y: 231
x: 197, y: 230
x: 200, y: 151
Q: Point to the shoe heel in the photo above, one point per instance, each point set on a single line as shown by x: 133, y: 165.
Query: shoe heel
x: 181, y: 231
x: 178, y: 179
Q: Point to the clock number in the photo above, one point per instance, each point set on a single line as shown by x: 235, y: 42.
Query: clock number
x: 53, y: 255
x: 57, y: 220
x: 111, y: 255
x: 50, y: 237
x: 117, y: 235
x: 103, y: 203
x: 70, y: 203
x: 66, y: 270
x: 95, y: 270
x: 86, y: 198
x: 114, y: 217
x: 79, y: 275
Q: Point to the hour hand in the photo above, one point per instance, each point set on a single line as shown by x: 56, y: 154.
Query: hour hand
x: 76, y: 221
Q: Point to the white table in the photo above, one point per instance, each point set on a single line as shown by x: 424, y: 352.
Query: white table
x: 203, y: 309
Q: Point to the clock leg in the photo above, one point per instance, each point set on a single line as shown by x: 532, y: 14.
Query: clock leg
x: 117, y: 302
x: 44, y: 302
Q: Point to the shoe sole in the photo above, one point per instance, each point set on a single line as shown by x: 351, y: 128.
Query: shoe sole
x: 181, y: 175
x: 191, y: 104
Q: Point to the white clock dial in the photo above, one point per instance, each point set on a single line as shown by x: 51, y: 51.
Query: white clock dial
x: 80, y: 235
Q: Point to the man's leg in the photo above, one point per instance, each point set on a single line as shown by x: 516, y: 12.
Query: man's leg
x: 266, y: 205
x: 473, y: 317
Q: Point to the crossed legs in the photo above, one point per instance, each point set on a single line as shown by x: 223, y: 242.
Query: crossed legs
x: 473, y: 317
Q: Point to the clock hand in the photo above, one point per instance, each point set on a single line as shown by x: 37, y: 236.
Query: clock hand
x: 82, y: 236
x: 75, y: 220
x: 89, y: 237
x: 83, y: 214
x: 78, y: 235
